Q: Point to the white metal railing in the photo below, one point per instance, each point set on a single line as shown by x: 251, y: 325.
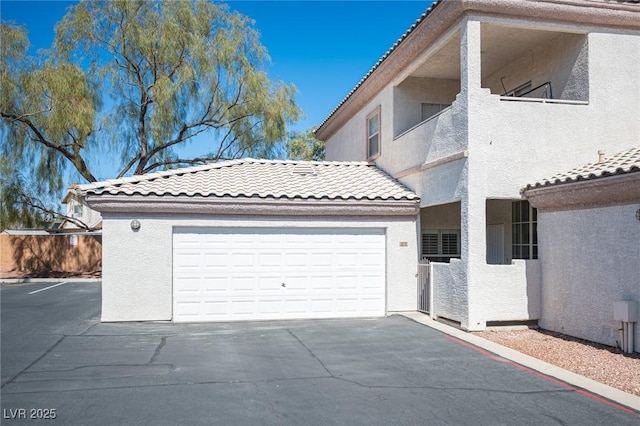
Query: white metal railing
x: 424, y: 295
x: 543, y: 100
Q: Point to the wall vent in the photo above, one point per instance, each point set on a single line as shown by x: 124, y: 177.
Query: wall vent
x: 304, y: 170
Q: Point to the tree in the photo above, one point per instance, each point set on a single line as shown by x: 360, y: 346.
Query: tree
x: 139, y: 79
x: 305, y: 146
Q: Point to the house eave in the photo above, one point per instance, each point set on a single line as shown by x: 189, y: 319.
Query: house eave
x: 447, y: 15
x: 251, y: 206
x: 609, y: 191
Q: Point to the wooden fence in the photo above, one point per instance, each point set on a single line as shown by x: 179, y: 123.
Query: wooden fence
x: 54, y: 255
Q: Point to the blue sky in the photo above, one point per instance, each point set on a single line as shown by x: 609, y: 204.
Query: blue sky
x: 323, y: 47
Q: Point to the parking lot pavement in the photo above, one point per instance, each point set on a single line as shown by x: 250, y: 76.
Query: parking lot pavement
x: 59, y: 359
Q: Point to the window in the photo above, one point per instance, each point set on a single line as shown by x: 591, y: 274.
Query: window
x: 77, y: 210
x: 429, y: 110
x: 524, y: 231
x: 373, y: 134
x: 441, y: 245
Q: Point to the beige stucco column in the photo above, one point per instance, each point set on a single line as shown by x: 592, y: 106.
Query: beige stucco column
x: 470, y: 56
x: 473, y: 202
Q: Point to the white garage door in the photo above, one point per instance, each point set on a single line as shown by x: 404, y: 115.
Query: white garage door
x: 264, y: 273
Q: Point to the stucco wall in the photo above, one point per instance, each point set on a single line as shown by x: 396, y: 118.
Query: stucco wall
x: 552, y: 138
x: 350, y: 142
x: 449, y: 290
x: 591, y: 258
x: 563, y: 61
x: 137, y: 265
x: 409, y: 96
x: 509, y: 292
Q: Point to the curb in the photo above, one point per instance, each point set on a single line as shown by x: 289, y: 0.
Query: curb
x: 47, y: 280
x: 566, y: 376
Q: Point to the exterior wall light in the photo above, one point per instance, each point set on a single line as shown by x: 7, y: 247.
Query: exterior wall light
x: 638, y: 214
x: 135, y: 225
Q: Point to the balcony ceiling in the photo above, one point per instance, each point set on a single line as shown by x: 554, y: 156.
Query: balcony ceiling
x: 501, y: 45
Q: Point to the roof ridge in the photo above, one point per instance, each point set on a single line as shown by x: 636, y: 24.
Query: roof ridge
x: 263, y: 178
x: 161, y: 174
x: 206, y: 167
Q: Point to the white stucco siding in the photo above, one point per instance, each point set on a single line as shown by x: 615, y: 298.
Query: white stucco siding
x: 440, y: 185
x: 137, y: 265
x: 614, y: 61
x: 450, y: 291
x: 436, y: 138
x: 509, y: 292
x: 531, y: 141
x: 509, y: 134
x: 563, y: 62
x: 409, y: 96
x: 136, y: 269
x: 591, y: 258
x: 349, y: 143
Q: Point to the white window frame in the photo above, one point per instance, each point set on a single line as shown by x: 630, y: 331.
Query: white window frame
x: 375, y: 134
x: 531, y: 225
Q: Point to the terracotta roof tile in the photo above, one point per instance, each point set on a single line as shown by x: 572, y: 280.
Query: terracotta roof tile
x: 273, y: 179
x: 618, y: 164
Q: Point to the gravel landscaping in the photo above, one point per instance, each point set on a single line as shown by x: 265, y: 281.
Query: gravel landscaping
x: 602, y: 363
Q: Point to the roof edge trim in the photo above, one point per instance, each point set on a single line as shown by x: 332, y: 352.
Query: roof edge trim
x: 603, y: 192
x: 158, y: 205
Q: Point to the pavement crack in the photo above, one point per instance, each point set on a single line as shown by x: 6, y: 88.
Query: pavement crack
x: 89, y: 328
x: 311, y: 353
x: 163, y: 342
x: 11, y: 380
x: 84, y: 367
x: 185, y: 383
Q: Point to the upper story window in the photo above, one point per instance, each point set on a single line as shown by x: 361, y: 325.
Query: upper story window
x: 373, y: 134
x: 524, y: 231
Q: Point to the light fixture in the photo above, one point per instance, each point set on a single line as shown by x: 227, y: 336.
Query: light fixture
x: 135, y: 225
x: 638, y: 214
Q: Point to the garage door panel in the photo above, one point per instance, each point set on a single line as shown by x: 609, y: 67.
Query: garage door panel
x: 237, y: 274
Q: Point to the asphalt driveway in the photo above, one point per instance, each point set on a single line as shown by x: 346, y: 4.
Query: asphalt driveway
x: 58, y: 358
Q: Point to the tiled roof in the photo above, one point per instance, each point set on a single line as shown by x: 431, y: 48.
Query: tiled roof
x: 272, y: 179
x: 384, y: 57
x: 618, y: 164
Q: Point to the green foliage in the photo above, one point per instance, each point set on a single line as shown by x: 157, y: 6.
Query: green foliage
x: 305, y: 146
x: 139, y: 79
x: 15, y: 210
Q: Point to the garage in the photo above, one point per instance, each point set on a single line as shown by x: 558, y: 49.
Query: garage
x: 248, y: 240
x: 278, y: 273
